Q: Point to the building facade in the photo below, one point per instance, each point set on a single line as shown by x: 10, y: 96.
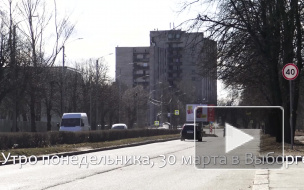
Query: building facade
x: 173, y: 63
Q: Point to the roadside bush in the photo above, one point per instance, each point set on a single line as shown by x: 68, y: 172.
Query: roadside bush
x: 82, y: 137
x: 31, y: 140
x: 6, y: 141
x: 39, y: 140
x: 55, y: 138
x: 96, y: 137
x: 22, y: 140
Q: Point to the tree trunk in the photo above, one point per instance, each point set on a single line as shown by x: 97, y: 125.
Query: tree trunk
x: 32, y: 110
x: 49, y: 118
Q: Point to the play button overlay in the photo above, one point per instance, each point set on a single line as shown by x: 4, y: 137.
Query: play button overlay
x: 238, y: 138
x: 235, y: 137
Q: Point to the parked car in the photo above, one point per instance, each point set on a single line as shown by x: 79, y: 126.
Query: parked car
x: 166, y: 125
x: 119, y: 126
x: 74, y: 122
x: 187, y: 132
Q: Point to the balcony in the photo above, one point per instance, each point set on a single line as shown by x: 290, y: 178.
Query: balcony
x: 140, y: 59
x: 140, y: 67
x: 177, y: 49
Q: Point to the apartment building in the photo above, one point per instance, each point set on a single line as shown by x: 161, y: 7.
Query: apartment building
x: 172, y: 63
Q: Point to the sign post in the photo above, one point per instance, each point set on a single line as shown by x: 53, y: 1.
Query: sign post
x: 290, y: 72
x: 156, y: 123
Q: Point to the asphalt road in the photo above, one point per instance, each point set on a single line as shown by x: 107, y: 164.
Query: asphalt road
x: 149, y: 171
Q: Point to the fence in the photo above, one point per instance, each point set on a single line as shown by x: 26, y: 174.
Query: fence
x: 25, y: 126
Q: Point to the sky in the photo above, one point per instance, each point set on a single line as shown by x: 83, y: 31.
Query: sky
x: 104, y: 25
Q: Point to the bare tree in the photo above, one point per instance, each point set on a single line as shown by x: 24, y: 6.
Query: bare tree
x: 134, y: 102
x: 38, y: 21
x: 257, y: 34
x: 92, y: 90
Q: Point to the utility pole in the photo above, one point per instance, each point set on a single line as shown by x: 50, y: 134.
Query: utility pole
x: 171, y: 112
x: 13, y: 59
x: 97, y: 91
x: 62, y: 103
x: 161, y: 105
x: 62, y: 85
x: 119, y: 95
x: 90, y: 101
x: 137, y: 109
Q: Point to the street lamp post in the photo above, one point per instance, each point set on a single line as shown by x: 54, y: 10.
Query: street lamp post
x: 119, y: 101
x: 119, y: 92
x: 171, y: 112
x: 62, y: 103
x: 62, y: 80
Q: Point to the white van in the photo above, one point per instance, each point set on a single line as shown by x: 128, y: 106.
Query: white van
x: 74, y: 122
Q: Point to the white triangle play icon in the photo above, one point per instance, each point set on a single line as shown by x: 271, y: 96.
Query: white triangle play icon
x: 235, y: 137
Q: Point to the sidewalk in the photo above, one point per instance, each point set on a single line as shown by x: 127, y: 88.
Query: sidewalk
x: 283, y: 179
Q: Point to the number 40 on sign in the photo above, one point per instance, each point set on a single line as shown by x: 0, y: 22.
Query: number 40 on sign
x: 290, y: 71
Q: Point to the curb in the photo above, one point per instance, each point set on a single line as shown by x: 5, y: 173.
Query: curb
x: 261, y: 180
x: 64, y: 154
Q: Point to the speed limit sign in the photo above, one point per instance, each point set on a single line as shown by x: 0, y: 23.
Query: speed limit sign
x: 290, y: 71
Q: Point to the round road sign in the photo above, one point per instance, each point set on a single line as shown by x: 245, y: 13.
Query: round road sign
x: 290, y: 71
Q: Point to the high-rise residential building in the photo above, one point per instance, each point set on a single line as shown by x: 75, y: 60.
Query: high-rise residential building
x: 175, y: 62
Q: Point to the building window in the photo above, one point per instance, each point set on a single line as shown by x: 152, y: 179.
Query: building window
x: 140, y: 56
x: 140, y: 72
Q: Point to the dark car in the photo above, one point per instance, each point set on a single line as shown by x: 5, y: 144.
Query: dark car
x: 187, y: 132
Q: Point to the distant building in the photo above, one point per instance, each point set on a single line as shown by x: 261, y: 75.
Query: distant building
x: 174, y: 58
x: 133, y: 66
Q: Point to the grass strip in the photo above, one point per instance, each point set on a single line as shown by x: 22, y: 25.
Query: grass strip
x: 81, y: 146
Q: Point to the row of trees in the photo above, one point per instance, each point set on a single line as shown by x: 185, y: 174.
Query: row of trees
x: 25, y: 29
x: 31, y: 88
x: 256, y: 38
